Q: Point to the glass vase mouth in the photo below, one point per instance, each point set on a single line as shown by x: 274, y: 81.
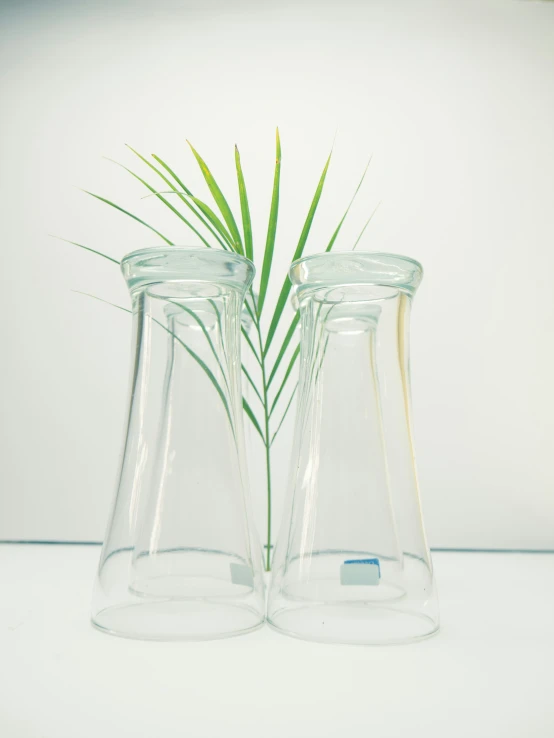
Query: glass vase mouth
x: 369, y: 268
x: 186, y: 264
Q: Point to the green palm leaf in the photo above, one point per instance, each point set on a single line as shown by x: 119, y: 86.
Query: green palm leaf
x: 206, y: 369
x: 285, y: 290
x: 251, y: 311
x: 337, y: 230
x: 192, y: 353
x: 165, y: 202
x: 284, y: 347
x: 186, y: 191
x: 296, y: 318
x: 204, y: 330
x: 229, y: 243
x: 216, y: 222
x: 106, y: 302
x: 252, y: 417
x: 244, y: 208
x: 272, y: 226
x: 172, y: 173
x: 87, y: 248
x: 219, y: 222
x: 251, y: 345
x: 252, y: 384
x: 284, y: 382
x: 134, y: 217
x: 220, y: 200
x: 368, y: 221
x: 284, y: 414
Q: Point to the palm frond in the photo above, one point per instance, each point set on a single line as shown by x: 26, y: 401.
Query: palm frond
x: 216, y: 225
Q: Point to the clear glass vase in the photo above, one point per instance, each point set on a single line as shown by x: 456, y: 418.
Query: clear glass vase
x: 351, y: 563
x: 180, y: 559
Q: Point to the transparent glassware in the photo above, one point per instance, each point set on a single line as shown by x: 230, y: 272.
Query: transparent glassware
x: 180, y: 559
x: 351, y: 562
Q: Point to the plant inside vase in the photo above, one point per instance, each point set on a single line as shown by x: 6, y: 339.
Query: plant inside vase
x: 217, y: 227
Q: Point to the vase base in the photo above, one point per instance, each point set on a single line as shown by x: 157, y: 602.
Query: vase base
x: 177, y: 621
x: 355, y: 624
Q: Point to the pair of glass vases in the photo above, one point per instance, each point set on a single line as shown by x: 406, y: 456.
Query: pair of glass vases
x: 181, y: 559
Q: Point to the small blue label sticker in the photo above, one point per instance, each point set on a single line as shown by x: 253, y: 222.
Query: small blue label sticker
x: 360, y: 572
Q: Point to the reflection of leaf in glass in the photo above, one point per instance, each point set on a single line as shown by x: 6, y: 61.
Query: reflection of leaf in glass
x: 204, y: 330
x: 217, y: 227
x: 188, y: 349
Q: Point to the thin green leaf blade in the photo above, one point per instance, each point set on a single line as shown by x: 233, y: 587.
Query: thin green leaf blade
x: 220, y: 201
x: 204, y: 330
x: 252, y: 417
x: 244, y: 209
x: 292, y: 362
x: 284, y: 347
x: 285, y: 290
x: 106, y: 302
x: 284, y: 414
x: 192, y: 353
x: 161, y: 198
x: 206, y: 369
x: 251, y: 345
x: 170, y: 171
x: 87, y: 248
x: 134, y: 217
x: 216, y: 222
x: 337, y: 230
x: 185, y: 189
x: 153, y: 168
x: 251, y: 309
x: 252, y: 383
x: 368, y: 221
x: 272, y: 226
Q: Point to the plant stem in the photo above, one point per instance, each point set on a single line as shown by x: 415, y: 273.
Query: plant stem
x: 267, y: 443
x: 268, y: 471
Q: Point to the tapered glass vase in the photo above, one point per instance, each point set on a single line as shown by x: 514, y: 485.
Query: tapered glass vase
x: 180, y: 559
x: 351, y: 563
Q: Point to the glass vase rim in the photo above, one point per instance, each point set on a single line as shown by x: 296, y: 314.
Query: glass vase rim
x: 185, y: 248
x: 158, y: 264
x: 406, y: 272
x: 342, y: 254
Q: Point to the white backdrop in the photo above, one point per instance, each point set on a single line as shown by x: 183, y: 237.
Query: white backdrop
x: 455, y: 99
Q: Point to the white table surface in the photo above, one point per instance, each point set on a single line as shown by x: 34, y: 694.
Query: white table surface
x: 489, y: 672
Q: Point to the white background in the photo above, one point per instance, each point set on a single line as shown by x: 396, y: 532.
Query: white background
x: 454, y: 99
